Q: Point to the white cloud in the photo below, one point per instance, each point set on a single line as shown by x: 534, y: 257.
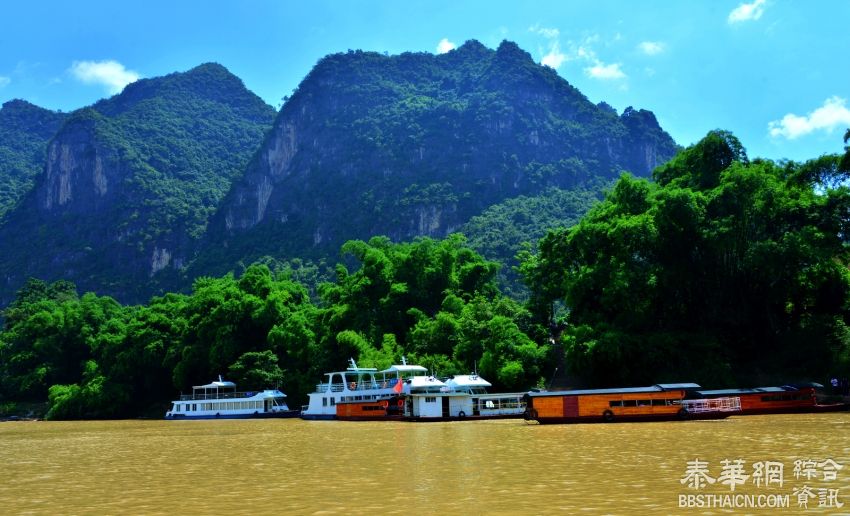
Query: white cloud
x: 544, y: 31
x: 605, y: 72
x: 555, y: 58
x: 111, y: 74
x: 445, y: 45
x: 833, y: 114
x: 747, y: 12
x: 651, y: 48
x: 4, y: 81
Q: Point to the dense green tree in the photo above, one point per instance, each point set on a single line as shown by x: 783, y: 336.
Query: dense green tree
x: 723, y: 270
x: 48, y: 336
x: 434, y: 301
x: 502, y: 230
x: 257, y: 370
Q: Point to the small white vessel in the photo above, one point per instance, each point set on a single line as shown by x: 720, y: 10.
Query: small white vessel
x: 360, y: 384
x: 219, y: 400
x: 426, y: 398
x: 486, y: 405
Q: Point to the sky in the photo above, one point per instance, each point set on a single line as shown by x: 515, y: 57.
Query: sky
x: 770, y: 71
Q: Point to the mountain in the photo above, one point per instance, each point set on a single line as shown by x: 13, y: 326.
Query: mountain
x: 129, y: 183
x: 25, y: 130
x: 417, y: 144
x: 191, y: 174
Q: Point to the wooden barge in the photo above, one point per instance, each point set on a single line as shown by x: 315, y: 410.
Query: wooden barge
x: 660, y: 402
x: 788, y: 399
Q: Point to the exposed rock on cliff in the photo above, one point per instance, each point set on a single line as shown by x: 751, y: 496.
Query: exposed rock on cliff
x: 25, y: 130
x: 129, y: 183
x: 416, y: 144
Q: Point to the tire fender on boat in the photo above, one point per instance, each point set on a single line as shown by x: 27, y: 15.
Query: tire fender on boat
x: 608, y: 416
x: 683, y: 413
x: 218, y: 414
x: 461, y: 414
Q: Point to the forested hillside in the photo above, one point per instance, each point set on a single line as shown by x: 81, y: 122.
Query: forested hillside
x: 722, y: 270
x: 725, y: 271
x: 25, y: 130
x: 418, y: 144
x: 129, y: 184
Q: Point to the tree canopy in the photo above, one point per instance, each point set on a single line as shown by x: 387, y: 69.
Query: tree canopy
x: 722, y: 271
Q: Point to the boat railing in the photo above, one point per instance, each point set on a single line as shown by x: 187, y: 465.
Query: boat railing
x: 367, y: 385
x: 218, y: 396
x: 500, y: 403
x: 727, y: 404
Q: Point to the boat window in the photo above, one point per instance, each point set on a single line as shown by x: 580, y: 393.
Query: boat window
x: 333, y: 402
x: 430, y: 400
x: 630, y: 403
x: 615, y: 403
x: 659, y: 403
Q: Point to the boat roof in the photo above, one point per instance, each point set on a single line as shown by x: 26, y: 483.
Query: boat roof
x: 220, y: 384
x: 467, y: 380
x: 757, y: 390
x: 273, y: 393
x: 661, y: 387
x: 419, y: 381
x: 676, y: 386
x: 354, y: 370
x: 404, y: 368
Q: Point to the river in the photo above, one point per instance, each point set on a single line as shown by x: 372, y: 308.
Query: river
x: 483, y: 467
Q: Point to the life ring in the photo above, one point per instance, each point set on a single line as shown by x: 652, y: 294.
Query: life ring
x: 608, y: 416
x: 400, y: 403
x: 461, y: 414
x: 385, y: 404
x: 683, y: 413
x: 352, y: 386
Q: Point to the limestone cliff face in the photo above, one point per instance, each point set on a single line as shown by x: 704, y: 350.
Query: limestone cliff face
x: 128, y: 185
x: 75, y: 176
x: 25, y: 131
x: 416, y: 144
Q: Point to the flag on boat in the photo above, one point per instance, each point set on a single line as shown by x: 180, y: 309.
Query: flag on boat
x: 398, y: 386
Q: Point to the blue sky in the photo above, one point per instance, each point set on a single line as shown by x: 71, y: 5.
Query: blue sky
x: 774, y: 72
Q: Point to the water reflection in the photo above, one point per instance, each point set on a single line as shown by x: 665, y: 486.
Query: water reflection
x: 293, y: 466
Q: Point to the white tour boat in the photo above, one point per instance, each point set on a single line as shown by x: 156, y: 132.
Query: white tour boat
x: 426, y: 398
x: 360, y: 384
x: 219, y: 400
x: 485, y: 405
